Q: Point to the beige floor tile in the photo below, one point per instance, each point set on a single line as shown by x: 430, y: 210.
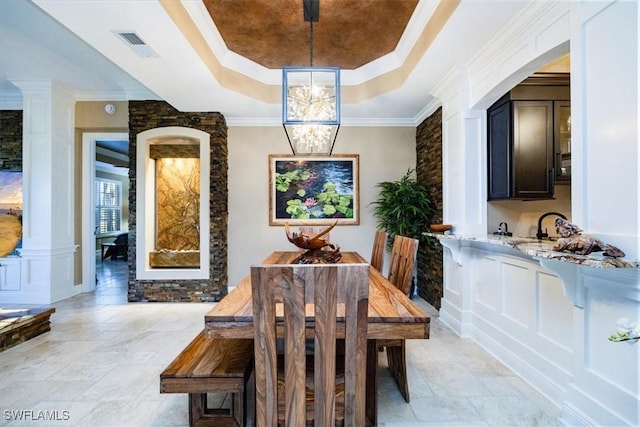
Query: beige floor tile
x: 101, y: 363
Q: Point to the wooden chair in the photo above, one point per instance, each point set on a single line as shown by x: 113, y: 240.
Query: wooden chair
x: 324, y: 385
x: 379, y: 247
x: 403, y: 259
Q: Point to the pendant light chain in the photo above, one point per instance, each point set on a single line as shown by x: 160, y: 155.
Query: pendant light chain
x: 311, y: 17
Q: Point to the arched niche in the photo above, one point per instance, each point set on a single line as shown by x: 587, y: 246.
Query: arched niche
x: 172, y: 204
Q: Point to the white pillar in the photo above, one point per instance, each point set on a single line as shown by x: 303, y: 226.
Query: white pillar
x: 463, y: 157
x: 605, y: 189
x: 605, y: 193
x: 48, y: 211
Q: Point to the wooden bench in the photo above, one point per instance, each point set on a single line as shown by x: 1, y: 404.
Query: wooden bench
x: 212, y: 365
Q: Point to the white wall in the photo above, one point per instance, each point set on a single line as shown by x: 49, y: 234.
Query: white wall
x: 385, y: 155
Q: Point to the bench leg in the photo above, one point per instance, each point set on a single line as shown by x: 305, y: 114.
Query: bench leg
x: 237, y: 408
x: 197, y: 407
x: 201, y: 416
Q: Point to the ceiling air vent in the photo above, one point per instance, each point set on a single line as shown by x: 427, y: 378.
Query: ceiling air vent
x: 136, y: 43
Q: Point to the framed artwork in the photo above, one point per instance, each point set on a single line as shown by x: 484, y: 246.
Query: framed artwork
x: 314, y: 190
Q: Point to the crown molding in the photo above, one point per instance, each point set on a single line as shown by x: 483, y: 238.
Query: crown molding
x: 11, y: 100
x: 231, y: 60
x: 228, y: 59
x: 116, y: 96
x: 358, y: 122
x: 427, y: 111
x: 538, y: 28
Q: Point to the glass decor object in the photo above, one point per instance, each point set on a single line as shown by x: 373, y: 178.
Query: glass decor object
x: 311, y: 108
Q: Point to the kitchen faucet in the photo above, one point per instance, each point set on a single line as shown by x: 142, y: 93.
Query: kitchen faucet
x: 539, y: 234
x: 503, y: 231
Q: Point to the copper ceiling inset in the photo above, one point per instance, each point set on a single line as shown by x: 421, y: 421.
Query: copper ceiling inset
x: 273, y: 33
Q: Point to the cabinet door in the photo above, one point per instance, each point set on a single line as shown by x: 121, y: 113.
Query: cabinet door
x: 499, y: 151
x: 533, y: 149
x: 562, y: 134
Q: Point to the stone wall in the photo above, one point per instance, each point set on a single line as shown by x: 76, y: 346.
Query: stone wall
x: 11, y: 140
x: 429, y: 173
x: 145, y: 115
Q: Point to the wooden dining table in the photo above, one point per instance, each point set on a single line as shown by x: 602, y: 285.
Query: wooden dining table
x: 391, y: 315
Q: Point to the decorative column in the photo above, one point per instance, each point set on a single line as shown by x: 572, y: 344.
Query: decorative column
x: 605, y: 185
x: 48, y: 215
x: 463, y: 157
x: 463, y: 189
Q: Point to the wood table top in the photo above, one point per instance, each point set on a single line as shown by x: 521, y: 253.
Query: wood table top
x: 392, y: 315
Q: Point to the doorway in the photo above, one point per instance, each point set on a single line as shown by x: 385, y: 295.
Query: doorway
x: 90, y: 142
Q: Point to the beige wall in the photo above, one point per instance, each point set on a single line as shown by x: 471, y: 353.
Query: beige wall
x: 385, y: 155
x: 522, y: 215
x: 91, y: 115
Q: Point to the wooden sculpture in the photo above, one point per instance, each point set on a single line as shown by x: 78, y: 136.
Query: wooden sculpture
x: 318, y: 250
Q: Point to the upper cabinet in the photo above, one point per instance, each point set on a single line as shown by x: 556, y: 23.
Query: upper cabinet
x: 529, y: 139
x: 562, y: 138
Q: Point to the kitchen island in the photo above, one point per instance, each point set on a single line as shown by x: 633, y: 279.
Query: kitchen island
x: 548, y: 315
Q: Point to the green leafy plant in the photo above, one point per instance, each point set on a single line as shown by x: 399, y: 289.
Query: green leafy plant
x: 403, y: 208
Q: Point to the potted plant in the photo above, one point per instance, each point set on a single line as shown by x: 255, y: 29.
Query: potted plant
x: 403, y: 208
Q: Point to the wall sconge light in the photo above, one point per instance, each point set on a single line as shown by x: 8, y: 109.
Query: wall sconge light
x: 311, y: 100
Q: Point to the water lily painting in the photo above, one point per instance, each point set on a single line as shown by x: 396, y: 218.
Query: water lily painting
x: 313, y: 190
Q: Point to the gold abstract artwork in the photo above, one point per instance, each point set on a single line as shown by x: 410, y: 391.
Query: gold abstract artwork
x: 10, y: 232
x: 178, y: 204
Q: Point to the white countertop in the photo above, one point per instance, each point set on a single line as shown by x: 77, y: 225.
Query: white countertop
x: 541, y: 249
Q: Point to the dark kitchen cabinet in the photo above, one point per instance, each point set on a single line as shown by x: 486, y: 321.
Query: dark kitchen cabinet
x: 499, y: 151
x: 562, y: 139
x: 522, y: 138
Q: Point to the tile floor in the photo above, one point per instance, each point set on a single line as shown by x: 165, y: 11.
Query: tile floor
x: 100, y: 363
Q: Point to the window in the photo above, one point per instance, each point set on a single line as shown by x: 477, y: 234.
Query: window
x: 108, y: 206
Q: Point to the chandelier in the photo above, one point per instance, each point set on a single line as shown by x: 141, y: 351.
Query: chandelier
x: 311, y: 100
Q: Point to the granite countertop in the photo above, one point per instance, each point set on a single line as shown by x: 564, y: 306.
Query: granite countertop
x: 541, y: 249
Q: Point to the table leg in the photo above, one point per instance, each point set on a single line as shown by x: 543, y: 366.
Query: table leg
x: 372, y: 393
x: 102, y: 253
